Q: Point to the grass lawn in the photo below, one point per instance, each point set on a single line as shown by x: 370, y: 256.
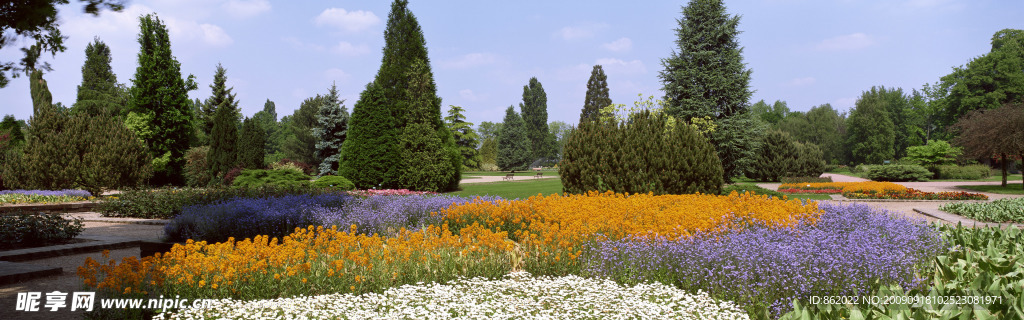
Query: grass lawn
x: 512, y: 189
x: 1011, y: 188
x: 524, y: 173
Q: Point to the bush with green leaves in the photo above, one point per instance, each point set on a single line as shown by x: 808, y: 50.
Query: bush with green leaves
x: 19, y: 230
x: 197, y: 169
x: 899, y: 172
x: 777, y: 157
x: 1002, y: 210
x: 640, y: 155
x: 334, y: 182
x: 165, y: 203
x: 971, y: 172
x: 255, y: 178
x: 935, y: 153
x: 810, y: 160
x: 806, y: 179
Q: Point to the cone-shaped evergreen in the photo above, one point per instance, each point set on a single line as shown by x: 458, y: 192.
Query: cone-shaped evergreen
x: 250, y: 144
x: 300, y: 144
x: 465, y: 137
x: 640, y: 155
x: 160, y: 95
x: 489, y: 152
x: 403, y: 45
x: 370, y: 155
x: 425, y: 153
x: 513, y: 144
x: 220, y: 95
x: 597, y: 94
x: 112, y: 156
x: 267, y: 119
x: 224, y: 130
x: 41, y: 97
x: 50, y: 160
x: 776, y: 158
x: 99, y: 84
x: 332, y: 127
x: 535, y: 117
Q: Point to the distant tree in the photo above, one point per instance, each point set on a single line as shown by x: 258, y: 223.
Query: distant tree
x: 250, y: 144
x: 898, y: 106
x: 465, y: 137
x: 425, y: 151
x: 771, y: 114
x: 709, y: 50
x: 41, y: 97
x: 986, y: 82
x: 513, y: 144
x: 267, y: 118
x: 489, y: 152
x: 822, y: 126
x: 597, y: 94
x: 99, y: 89
x: 223, y: 126
x: 935, y: 153
x: 810, y: 161
x: 332, y: 127
x: 370, y: 155
x: 559, y: 131
x: 220, y: 96
x: 160, y: 96
x: 534, y: 109
x: 993, y: 133
x: 870, y: 132
x: 488, y: 130
x: 38, y: 20
x: 300, y: 144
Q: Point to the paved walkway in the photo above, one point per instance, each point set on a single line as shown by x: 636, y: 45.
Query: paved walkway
x: 517, y: 178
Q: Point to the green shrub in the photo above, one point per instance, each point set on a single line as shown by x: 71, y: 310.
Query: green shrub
x: 37, y: 229
x: 741, y: 188
x: 640, y: 155
x: 899, y: 172
x: 806, y: 179
x: 810, y: 160
x: 255, y: 178
x: 197, y: 169
x: 167, y: 202
x: 971, y: 172
x: 777, y: 157
x: 336, y: 182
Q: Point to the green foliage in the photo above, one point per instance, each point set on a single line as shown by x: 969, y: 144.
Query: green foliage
x: 50, y: 160
x: 809, y: 162
x: 255, y: 178
x: 744, y: 188
x: 267, y: 118
x: 37, y: 229
x: 301, y: 144
x: 165, y: 203
x: 160, y: 93
x: 10, y: 126
x: 224, y: 139
x: 250, y: 144
x: 986, y: 82
x: 41, y: 97
x: 822, y: 126
x: 534, y: 110
x: 971, y: 172
x: 489, y: 152
x: 597, y: 94
x: 99, y: 88
x: 513, y: 143
x: 403, y: 46
x: 777, y: 157
x: 814, y: 179
x: 426, y: 148
x: 332, y: 127
x: 197, y: 169
x: 899, y: 172
x: 771, y: 114
x: 735, y: 139
x: 334, y: 182
x: 112, y: 156
x: 933, y: 155
x: 870, y: 132
x: 638, y: 156
x: 990, y: 133
x: 220, y: 96
x: 488, y: 130
x: 370, y: 154
x: 465, y: 137
x: 1002, y: 210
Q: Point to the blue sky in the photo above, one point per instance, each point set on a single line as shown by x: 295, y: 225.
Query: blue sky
x: 805, y: 52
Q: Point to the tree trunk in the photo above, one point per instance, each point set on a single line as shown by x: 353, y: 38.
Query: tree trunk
x: 1002, y: 157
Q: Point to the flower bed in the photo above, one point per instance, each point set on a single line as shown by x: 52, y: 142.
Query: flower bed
x: 1002, y: 210
x: 166, y: 203
x: 914, y: 194
x: 876, y: 190
x: 517, y: 296
x: 388, y: 192
x: 43, y: 196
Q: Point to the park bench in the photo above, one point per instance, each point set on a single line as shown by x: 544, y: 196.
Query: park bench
x: 508, y: 176
x: 539, y: 174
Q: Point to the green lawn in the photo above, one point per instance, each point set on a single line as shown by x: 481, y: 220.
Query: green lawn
x: 512, y: 189
x: 1011, y: 188
x: 547, y: 172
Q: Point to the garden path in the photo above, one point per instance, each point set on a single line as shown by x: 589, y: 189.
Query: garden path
x: 481, y: 179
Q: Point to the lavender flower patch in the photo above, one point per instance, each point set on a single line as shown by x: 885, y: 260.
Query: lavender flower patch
x: 248, y: 217
x: 51, y: 193
x: 385, y: 215
x: 851, y: 250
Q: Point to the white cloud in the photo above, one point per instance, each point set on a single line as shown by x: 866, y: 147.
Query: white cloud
x: 623, y: 44
x: 619, y: 66
x: 799, y: 82
x: 469, y: 95
x: 116, y: 26
x: 349, y: 49
x: 854, y: 41
x: 354, y: 21
x: 470, y: 60
x: 246, y: 9
x: 580, y: 31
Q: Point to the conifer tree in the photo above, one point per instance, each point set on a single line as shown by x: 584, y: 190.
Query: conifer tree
x: 465, y: 137
x: 777, y: 157
x: 425, y: 155
x: 597, y: 94
x: 534, y: 110
x: 250, y: 144
x: 99, y: 89
x: 300, y: 145
x: 220, y: 95
x: 159, y: 96
x: 41, y: 97
x: 332, y: 119
x: 513, y: 144
x: 224, y: 125
x: 10, y: 126
x: 267, y: 118
x: 489, y: 152
x: 370, y: 154
x: 403, y: 45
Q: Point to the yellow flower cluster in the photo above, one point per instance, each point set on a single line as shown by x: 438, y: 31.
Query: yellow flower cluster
x: 874, y: 187
x: 842, y: 187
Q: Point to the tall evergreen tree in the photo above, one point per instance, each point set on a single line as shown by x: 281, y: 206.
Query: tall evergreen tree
x: 534, y: 110
x: 870, y: 132
x: 465, y: 137
x: 370, y: 154
x: 300, y: 145
x: 513, y: 144
x: 706, y: 77
x: 403, y: 45
x: 597, y: 94
x: 267, y: 119
x: 332, y: 119
x: 41, y: 97
x: 489, y: 152
x: 224, y: 125
x: 220, y: 96
x: 425, y: 153
x: 160, y: 95
x: 250, y: 144
x: 99, y: 89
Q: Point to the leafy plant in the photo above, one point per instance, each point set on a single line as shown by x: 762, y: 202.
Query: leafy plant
x: 899, y: 172
x: 37, y: 229
x: 971, y: 172
x: 1002, y: 210
x: 251, y: 178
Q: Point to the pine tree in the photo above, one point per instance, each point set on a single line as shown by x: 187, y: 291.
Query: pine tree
x: 370, y: 154
x: 597, y: 94
x: 465, y: 137
x: 332, y: 119
x: 267, y: 119
x: 425, y: 145
x: 50, y: 159
x: 224, y: 130
x: 706, y: 77
x: 160, y: 95
x: 41, y: 97
x: 403, y: 45
x: 300, y: 144
x: 112, y: 156
x: 534, y: 110
x: 99, y: 88
x: 777, y: 157
x: 513, y: 144
x: 220, y: 95
x: 250, y: 144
